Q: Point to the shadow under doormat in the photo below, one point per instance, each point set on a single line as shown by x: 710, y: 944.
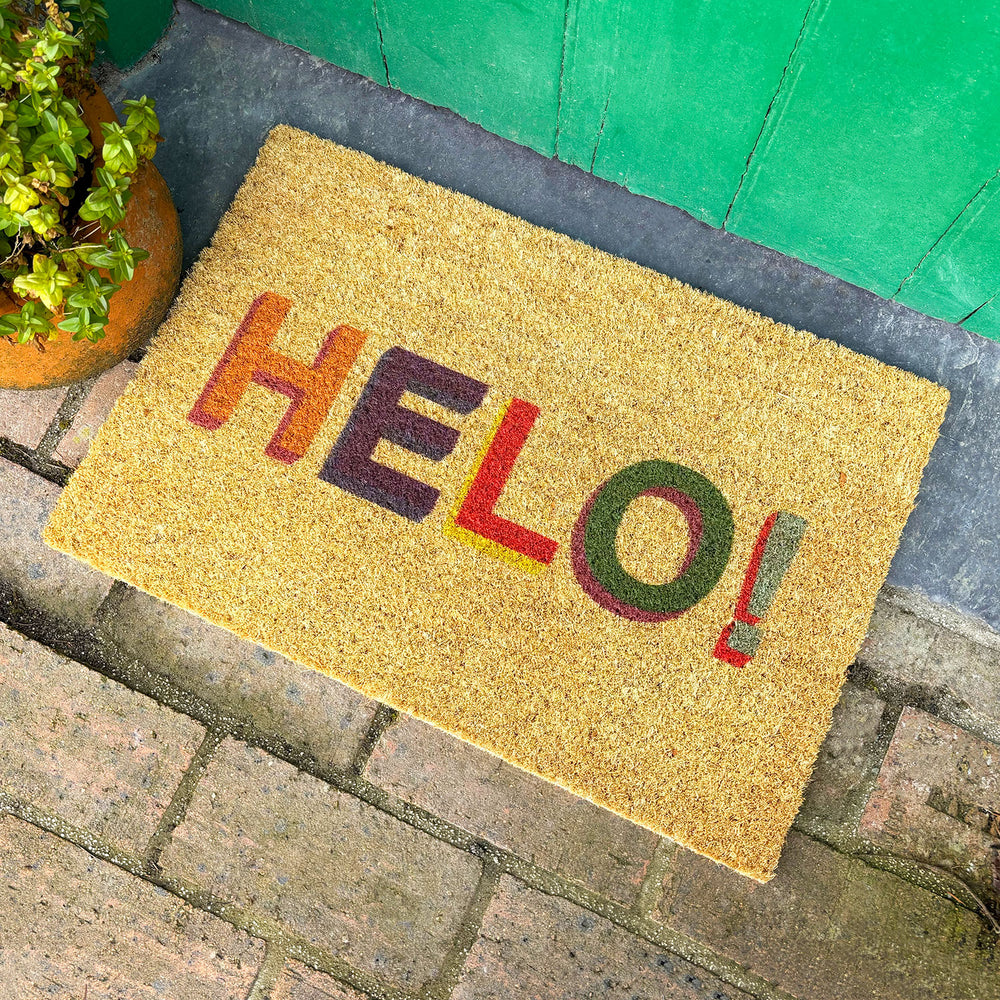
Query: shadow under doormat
x: 619, y: 532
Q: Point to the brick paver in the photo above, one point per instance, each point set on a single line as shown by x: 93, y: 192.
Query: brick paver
x: 47, y: 579
x: 73, y: 926
x: 511, y: 808
x: 938, y: 798
x: 532, y: 946
x: 830, y: 926
x: 25, y: 414
x: 280, y: 698
x: 298, y: 982
x: 914, y: 651
x: 348, y: 878
x: 848, y: 761
x: 92, y: 413
x: 85, y: 748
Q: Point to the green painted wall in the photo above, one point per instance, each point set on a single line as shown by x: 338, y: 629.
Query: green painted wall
x: 341, y: 31
x: 667, y: 98
x: 134, y: 27
x: 884, y: 131
x: 495, y: 62
x: 857, y: 135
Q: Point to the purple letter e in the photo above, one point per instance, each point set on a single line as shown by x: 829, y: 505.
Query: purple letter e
x: 378, y: 415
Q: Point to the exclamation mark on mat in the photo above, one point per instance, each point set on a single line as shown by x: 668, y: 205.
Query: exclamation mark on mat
x: 773, y: 553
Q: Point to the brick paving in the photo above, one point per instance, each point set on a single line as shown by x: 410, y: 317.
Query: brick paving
x: 86, y: 749
x: 938, y: 800
x: 25, y: 416
x: 43, y: 578
x: 534, y: 945
x: 184, y: 814
x: 331, y: 869
x: 75, y: 443
x: 513, y: 809
x: 830, y: 925
x: 74, y: 926
x: 324, y: 719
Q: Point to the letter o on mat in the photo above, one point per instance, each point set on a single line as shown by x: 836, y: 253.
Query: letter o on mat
x: 595, y: 558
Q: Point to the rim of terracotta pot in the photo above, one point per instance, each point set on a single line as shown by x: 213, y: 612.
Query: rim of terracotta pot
x: 137, y: 309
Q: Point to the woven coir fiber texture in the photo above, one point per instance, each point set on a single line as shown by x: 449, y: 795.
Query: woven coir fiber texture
x: 617, y: 531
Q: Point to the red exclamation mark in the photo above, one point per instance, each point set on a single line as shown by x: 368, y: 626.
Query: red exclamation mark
x: 773, y: 553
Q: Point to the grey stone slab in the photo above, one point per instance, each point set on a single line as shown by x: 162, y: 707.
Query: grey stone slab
x: 221, y: 87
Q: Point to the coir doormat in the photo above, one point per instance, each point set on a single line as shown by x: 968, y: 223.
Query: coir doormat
x: 619, y: 532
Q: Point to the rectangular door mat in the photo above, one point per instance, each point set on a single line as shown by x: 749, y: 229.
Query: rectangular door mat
x: 621, y: 533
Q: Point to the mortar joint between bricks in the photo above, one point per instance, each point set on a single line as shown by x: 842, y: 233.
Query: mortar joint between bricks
x: 496, y: 862
x: 177, y: 808
x: 275, y: 954
x: 651, y: 889
x: 934, y: 700
x: 931, y: 878
x: 61, y: 422
x: 47, y: 469
x: 444, y: 983
x: 382, y: 720
x: 358, y: 980
x: 486, y: 851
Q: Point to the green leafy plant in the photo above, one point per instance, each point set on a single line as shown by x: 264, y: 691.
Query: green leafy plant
x: 62, y: 251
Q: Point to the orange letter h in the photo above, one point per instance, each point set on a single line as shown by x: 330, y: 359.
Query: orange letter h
x: 249, y: 358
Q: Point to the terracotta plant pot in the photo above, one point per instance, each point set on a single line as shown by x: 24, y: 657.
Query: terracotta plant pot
x: 136, y: 309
